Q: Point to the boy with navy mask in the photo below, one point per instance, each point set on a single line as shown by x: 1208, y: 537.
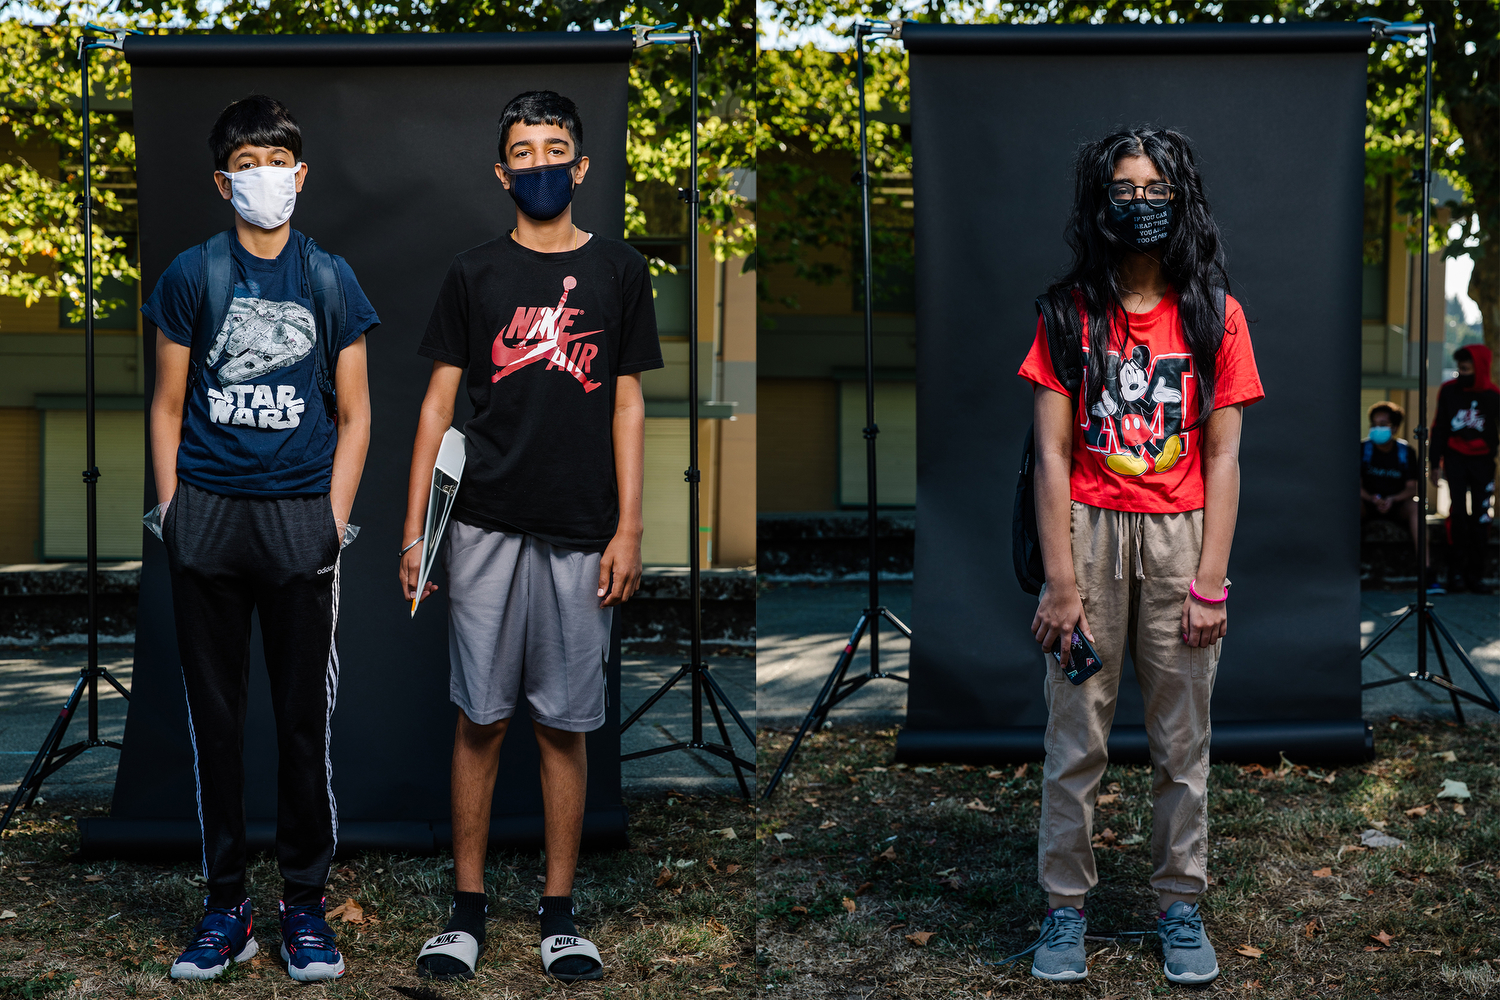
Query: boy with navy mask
x: 259, y: 426
x: 549, y: 328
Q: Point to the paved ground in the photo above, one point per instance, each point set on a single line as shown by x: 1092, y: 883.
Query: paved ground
x: 802, y: 628
x: 34, y: 685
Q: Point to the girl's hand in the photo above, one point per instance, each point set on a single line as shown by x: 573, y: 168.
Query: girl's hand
x: 1057, y: 614
x: 1203, y: 624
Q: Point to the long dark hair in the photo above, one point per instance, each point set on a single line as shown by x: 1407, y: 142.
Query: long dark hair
x: 1192, y: 262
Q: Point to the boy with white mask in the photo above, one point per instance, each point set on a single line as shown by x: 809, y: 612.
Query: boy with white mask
x: 260, y: 421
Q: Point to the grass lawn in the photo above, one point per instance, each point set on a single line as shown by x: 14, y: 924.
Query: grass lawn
x: 877, y: 880
x: 672, y: 916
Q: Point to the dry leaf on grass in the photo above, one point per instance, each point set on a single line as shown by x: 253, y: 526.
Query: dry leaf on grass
x: 864, y: 888
x: 1447, y: 755
x: 726, y: 966
x: 1349, y: 848
x: 920, y: 938
x: 1249, y: 951
x: 663, y: 877
x: 1417, y: 811
x: 849, y: 905
x: 348, y: 911
x: 1383, y: 938
x: 7, y: 914
x: 727, y: 833
x: 799, y: 909
x: 889, y: 854
x: 715, y: 926
x: 784, y: 837
x: 1458, y: 807
x: 827, y: 825
x: 1313, y: 926
x: 93, y: 878
x: 1104, y: 837
x: 1425, y: 951
x: 1107, y: 799
x: 731, y: 869
x: 1020, y: 772
x: 712, y: 867
x: 1323, y: 873
x: 995, y: 774
x: 978, y: 806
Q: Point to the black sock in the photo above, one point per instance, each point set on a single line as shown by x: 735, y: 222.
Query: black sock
x: 556, y: 913
x: 468, y: 914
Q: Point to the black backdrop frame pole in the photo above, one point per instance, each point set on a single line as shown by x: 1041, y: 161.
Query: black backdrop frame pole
x: 704, y: 686
x: 839, y: 686
x: 1429, y: 626
x: 52, y: 757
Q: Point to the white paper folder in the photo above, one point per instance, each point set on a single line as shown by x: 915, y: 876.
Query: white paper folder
x: 446, y: 475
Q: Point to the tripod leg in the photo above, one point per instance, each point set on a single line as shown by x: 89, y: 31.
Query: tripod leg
x: 744, y: 727
x: 1405, y: 614
x: 818, y: 711
x: 1437, y: 647
x: 32, y: 782
x: 1437, y: 623
x: 713, y: 706
x: 681, y: 672
x: 114, y: 683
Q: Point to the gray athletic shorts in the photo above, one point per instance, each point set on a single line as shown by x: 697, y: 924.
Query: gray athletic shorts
x: 524, y: 615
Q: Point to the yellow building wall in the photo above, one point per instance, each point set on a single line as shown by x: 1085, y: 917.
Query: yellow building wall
x: 20, y: 469
x: 797, y: 458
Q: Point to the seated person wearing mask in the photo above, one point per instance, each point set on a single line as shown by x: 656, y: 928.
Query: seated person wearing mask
x: 1388, y: 472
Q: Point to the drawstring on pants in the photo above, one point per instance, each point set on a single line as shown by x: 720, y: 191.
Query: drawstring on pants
x: 1138, y: 520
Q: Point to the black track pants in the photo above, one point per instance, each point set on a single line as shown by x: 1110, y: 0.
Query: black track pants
x: 229, y: 555
x: 1469, y: 478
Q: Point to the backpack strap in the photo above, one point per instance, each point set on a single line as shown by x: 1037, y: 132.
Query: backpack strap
x: 1066, y: 350
x: 215, y: 295
x: 330, y: 312
x: 1368, y: 453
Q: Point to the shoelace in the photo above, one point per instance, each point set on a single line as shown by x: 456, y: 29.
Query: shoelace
x: 212, y: 937
x: 1185, y: 931
x: 309, y: 935
x: 1063, y: 931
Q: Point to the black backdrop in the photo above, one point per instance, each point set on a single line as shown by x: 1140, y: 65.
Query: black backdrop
x: 1277, y: 114
x: 399, y: 136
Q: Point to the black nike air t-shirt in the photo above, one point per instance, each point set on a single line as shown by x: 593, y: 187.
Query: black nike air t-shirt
x: 542, y: 337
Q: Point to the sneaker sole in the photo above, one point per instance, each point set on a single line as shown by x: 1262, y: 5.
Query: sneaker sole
x: 1059, y: 977
x: 315, y: 971
x: 1189, y: 978
x: 187, y: 970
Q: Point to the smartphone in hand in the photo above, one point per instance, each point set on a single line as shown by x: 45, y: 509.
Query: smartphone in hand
x: 1082, y: 662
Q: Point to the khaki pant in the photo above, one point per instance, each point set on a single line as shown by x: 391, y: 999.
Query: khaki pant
x: 1133, y: 572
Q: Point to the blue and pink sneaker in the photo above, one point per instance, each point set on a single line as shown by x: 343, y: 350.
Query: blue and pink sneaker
x: 222, y: 937
x: 307, y: 943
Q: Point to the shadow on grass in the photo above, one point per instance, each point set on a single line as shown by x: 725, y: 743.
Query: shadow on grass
x: 878, y: 880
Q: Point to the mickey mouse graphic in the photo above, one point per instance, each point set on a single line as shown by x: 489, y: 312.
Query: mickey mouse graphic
x: 1140, y: 421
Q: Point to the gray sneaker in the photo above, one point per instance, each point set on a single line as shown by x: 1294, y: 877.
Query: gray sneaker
x: 1060, y: 957
x: 1187, y: 955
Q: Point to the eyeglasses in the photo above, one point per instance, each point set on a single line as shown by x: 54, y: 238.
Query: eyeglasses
x: 1123, y: 192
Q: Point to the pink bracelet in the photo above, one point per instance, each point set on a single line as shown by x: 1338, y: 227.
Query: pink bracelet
x: 1193, y: 589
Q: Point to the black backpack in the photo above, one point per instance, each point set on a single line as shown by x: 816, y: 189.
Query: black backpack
x: 320, y: 275
x: 1066, y: 350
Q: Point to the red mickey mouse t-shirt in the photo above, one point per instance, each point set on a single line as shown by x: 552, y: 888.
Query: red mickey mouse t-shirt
x: 1132, y: 452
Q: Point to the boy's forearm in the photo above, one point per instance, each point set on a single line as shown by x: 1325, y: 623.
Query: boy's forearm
x: 349, y: 461
x: 629, y: 433
x: 166, y: 438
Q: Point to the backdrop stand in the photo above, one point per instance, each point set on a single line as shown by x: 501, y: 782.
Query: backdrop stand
x: 704, y: 686
x: 53, y: 756
x: 1429, y: 625
x: 839, y: 686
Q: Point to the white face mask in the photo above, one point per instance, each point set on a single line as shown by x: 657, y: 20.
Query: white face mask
x: 264, y: 196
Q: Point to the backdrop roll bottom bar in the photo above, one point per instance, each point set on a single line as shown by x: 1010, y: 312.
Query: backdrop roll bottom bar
x: 1326, y: 742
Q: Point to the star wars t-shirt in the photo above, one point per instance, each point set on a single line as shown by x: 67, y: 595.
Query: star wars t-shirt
x: 543, y: 336
x: 1131, y: 451
x: 1386, y: 473
x: 255, y: 424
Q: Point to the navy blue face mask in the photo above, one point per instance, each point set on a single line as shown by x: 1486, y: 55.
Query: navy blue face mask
x: 1140, y: 225
x: 541, y: 193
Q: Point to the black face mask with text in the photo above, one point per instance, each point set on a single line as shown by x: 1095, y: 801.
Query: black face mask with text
x: 1139, y: 225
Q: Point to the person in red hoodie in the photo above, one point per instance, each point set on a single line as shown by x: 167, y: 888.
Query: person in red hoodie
x: 1465, y: 437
